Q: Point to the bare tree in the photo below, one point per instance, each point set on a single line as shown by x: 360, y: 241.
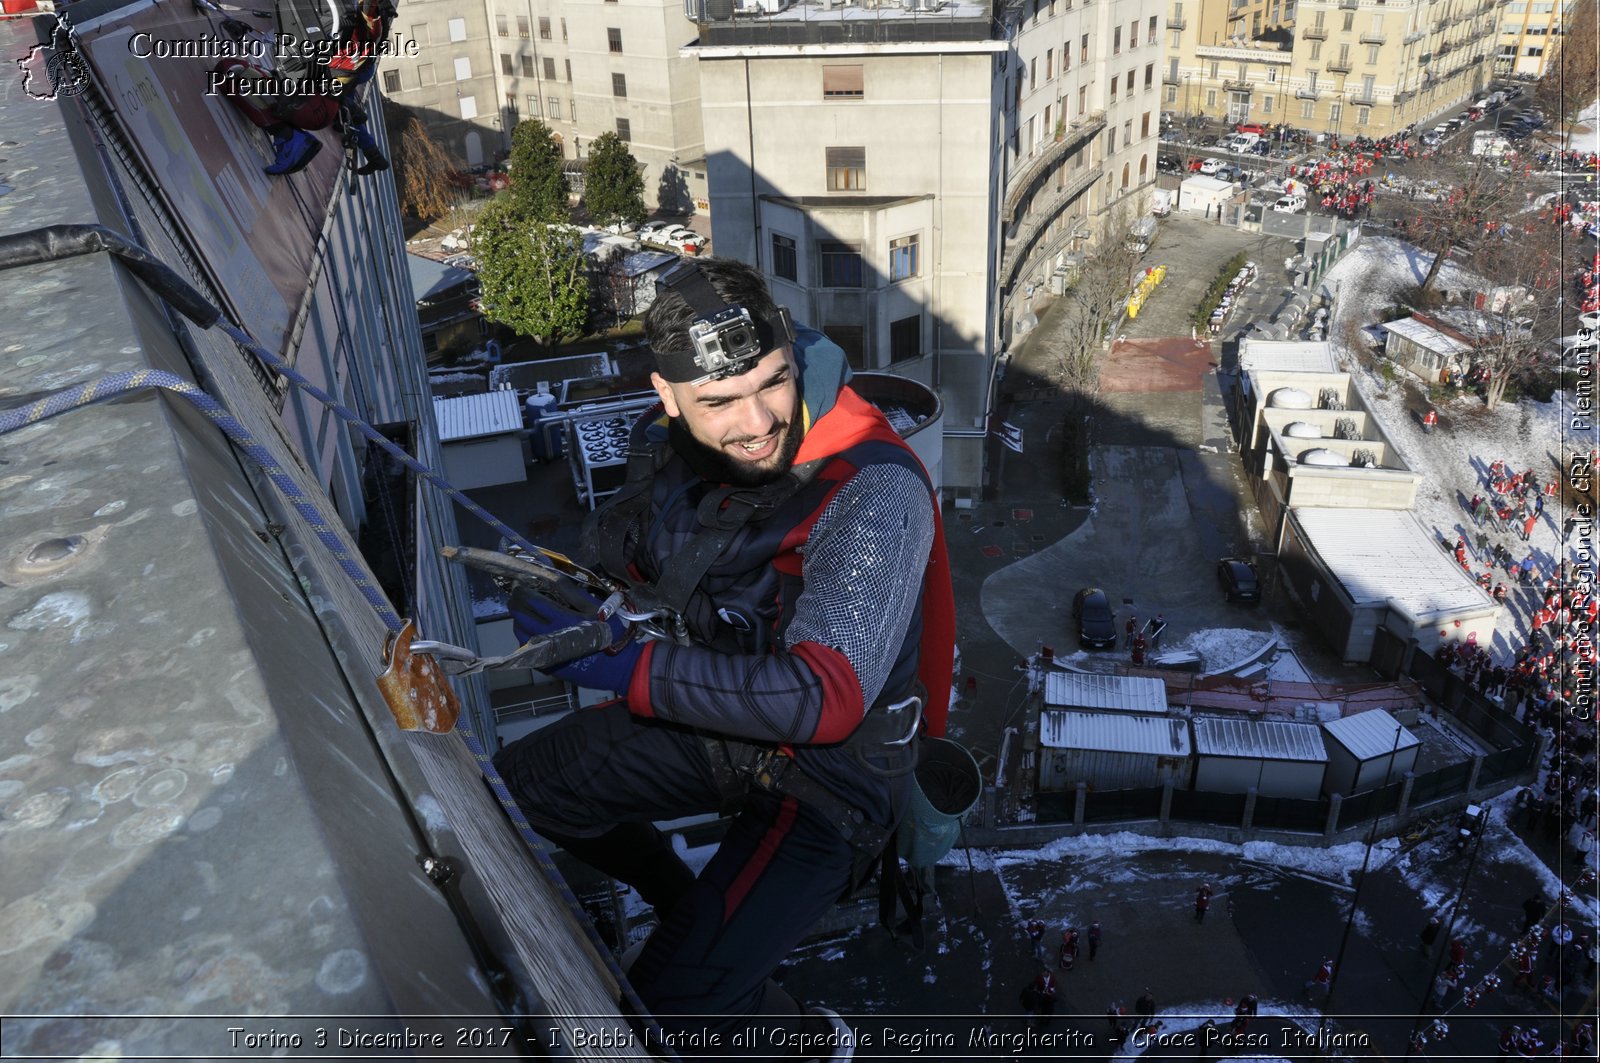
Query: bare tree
x: 1521, y: 268
x: 1474, y: 194
x: 1089, y: 314
x: 423, y: 170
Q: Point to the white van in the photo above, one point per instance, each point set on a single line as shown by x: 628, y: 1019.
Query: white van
x: 1240, y: 143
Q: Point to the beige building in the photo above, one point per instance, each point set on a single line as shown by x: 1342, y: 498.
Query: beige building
x: 584, y: 67
x: 1349, y: 67
x: 1528, y: 34
x: 908, y: 177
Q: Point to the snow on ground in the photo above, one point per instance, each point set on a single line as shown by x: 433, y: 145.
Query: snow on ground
x: 1453, y: 462
x: 1223, y: 648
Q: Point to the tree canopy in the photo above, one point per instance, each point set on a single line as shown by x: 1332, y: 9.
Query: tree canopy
x: 538, y: 183
x: 533, y: 274
x: 613, y: 188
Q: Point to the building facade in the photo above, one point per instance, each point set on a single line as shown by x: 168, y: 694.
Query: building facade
x: 1529, y: 33
x: 908, y: 178
x: 1345, y: 67
x: 583, y: 67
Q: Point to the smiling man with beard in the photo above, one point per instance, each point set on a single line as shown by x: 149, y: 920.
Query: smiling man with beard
x: 796, y: 536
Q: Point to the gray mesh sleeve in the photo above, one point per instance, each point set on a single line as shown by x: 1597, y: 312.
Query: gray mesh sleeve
x: 863, y: 569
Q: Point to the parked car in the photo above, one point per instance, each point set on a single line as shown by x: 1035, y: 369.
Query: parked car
x: 1195, y: 164
x: 1097, y: 629
x: 1290, y: 205
x: 650, y: 230
x: 687, y: 241
x: 1169, y: 164
x: 1238, y: 579
x: 1251, y: 127
x: 1210, y: 166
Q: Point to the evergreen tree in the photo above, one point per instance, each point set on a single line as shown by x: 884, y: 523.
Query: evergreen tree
x: 533, y: 273
x: 613, y: 188
x: 537, y: 181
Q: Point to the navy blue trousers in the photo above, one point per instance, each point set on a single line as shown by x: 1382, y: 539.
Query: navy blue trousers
x: 594, y: 782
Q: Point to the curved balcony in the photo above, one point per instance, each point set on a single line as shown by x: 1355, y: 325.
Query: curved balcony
x: 1073, y: 138
x: 1021, y: 247
x: 1373, y: 38
x: 1315, y: 33
x: 1340, y: 66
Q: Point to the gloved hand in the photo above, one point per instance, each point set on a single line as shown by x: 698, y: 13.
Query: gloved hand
x: 533, y: 615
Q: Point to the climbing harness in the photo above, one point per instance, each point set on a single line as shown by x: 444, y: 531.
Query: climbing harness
x: 413, y: 681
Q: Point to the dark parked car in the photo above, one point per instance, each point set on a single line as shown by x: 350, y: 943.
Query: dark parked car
x: 1238, y: 579
x: 1097, y: 629
x: 1169, y: 164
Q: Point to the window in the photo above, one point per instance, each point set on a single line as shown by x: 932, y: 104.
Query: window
x: 847, y: 169
x: 563, y: 29
x: 505, y: 64
x: 1111, y: 141
x: 420, y: 34
x: 1372, y: 54
x: 1144, y: 168
x: 1113, y: 86
x: 1211, y: 97
x: 572, y: 108
x: 1308, y: 109
x: 1335, y: 113
x: 1144, y: 125
x: 1124, y: 177
x: 469, y: 106
x: 1172, y: 94
x: 1149, y: 74
x: 568, y: 63
x: 1313, y: 84
x: 1083, y: 49
x: 1133, y: 34
x: 533, y: 106
x: 1033, y: 73
x: 1213, y: 71
x: 1127, y: 133
x: 1534, y: 53
x: 555, y: 106
x: 1049, y: 63
x: 1511, y: 27
x: 1272, y: 74
x: 614, y: 40
x: 463, y: 67
x: 1266, y: 104
x: 549, y: 69
x: 527, y: 66
x: 619, y: 85
x: 624, y: 130
x: 425, y: 75
x: 1150, y: 31
x: 1316, y: 50
x: 784, y: 265
x: 852, y: 340
x: 1116, y: 41
x: 511, y: 109
x: 458, y: 29
x: 1368, y: 86
x: 905, y: 338
x: 391, y: 81
x: 1362, y: 114
x: 522, y: 26
x: 843, y: 82
x: 502, y: 25
x: 544, y: 29
x: 1349, y: 21
x: 903, y: 258
x: 1066, y: 60
x: 1083, y: 98
x: 840, y: 265
x: 1536, y: 31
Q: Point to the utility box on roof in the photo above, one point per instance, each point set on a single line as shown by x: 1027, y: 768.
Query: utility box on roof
x: 1276, y: 758
x: 1111, y: 750
x: 1366, y: 751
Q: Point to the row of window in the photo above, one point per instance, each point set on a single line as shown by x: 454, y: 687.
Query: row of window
x: 552, y: 110
x: 839, y: 265
x: 1240, y: 104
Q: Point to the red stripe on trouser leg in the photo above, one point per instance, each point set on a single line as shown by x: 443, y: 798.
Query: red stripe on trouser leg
x: 768, y: 847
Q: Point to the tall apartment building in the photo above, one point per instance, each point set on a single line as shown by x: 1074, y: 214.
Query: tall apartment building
x: 584, y: 67
x: 1528, y: 33
x: 906, y: 177
x: 1349, y: 67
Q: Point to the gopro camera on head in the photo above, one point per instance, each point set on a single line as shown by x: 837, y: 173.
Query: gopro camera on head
x: 725, y: 338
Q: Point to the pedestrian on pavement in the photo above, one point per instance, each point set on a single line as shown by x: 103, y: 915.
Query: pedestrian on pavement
x: 1243, y: 1012
x: 1145, y: 1008
x: 1528, y: 523
x: 1157, y: 626
x: 1069, y: 949
x: 1429, y: 935
x: 1128, y: 629
x: 1533, y: 910
x: 1116, y: 1022
x: 1039, y: 999
x: 1477, y: 507
x: 1202, y: 902
x: 1036, y: 930
x: 1320, y: 982
x: 1094, y: 940
x: 1430, y: 420
x: 1136, y: 655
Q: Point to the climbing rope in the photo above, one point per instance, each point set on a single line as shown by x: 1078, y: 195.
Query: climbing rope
x: 58, y: 242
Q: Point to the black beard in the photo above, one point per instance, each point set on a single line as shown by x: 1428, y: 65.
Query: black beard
x: 713, y: 465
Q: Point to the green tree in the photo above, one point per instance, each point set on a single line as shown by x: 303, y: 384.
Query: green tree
x: 533, y: 273
x: 613, y: 188
x: 538, y: 183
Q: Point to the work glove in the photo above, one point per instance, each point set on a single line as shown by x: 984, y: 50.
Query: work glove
x: 610, y: 669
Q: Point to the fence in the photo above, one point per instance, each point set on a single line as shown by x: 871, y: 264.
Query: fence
x: 1291, y: 813
x: 1200, y: 806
